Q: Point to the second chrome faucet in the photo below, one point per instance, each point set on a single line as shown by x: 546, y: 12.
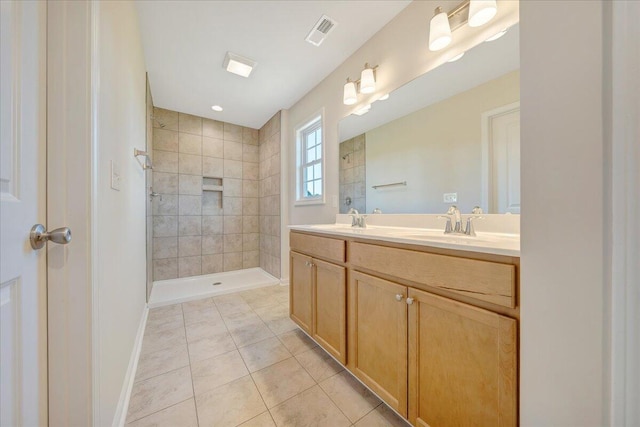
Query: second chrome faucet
x: 454, y: 213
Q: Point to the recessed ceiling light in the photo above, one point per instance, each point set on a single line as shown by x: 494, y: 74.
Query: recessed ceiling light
x: 497, y: 36
x: 216, y: 108
x: 237, y: 64
x: 455, y: 58
x: 384, y: 97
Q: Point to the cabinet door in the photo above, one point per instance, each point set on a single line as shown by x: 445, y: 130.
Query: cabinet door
x: 378, y: 337
x: 462, y: 364
x: 301, y: 291
x: 330, y: 308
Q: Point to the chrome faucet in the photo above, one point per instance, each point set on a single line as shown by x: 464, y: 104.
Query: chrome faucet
x: 357, y: 219
x: 454, y: 214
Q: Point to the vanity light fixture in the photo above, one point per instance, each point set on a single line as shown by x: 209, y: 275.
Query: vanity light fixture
x: 455, y: 58
x: 441, y: 28
x: 496, y: 36
x: 237, y: 64
x: 365, y: 84
x: 363, y: 110
x: 481, y: 12
x: 350, y: 97
x: 216, y: 108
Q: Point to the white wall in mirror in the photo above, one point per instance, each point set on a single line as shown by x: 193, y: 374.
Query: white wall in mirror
x: 429, y: 134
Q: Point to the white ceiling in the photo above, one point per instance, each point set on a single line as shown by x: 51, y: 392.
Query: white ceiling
x: 185, y: 42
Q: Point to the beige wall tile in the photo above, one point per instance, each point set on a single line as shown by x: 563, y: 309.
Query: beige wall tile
x: 212, y: 203
x: 212, y: 167
x: 250, y: 188
x: 164, y: 269
x: 165, y: 247
x: 251, y: 171
x: 212, y: 147
x: 165, y: 161
x: 212, y: 225
x: 212, y: 264
x: 189, y: 225
x: 250, y: 224
x: 232, y: 132
x: 189, y: 124
x: 189, y: 246
x: 250, y: 259
x: 189, y: 143
x: 212, y: 128
x: 233, y: 261
x: 250, y: 206
x: 232, y: 243
x: 232, y: 224
x: 165, y: 226
x: 165, y: 183
x: 166, y: 140
x: 168, y: 205
x: 190, y: 164
x: 164, y: 117
x: 250, y: 136
x: 212, y: 244
x: 190, y: 205
x: 232, y: 205
x: 232, y: 169
x: 233, y: 150
x: 232, y: 187
x: 251, y: 242
x: 250, y: 153
x: 190, y: 184
x: 189, y: 266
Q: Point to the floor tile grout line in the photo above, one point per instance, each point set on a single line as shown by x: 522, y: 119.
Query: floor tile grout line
x: 333, y: 401
x: 127, y: 422
x: 193, y: 389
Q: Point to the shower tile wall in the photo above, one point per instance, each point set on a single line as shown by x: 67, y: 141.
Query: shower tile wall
x: 195, y: 231
x: 270, y: 196
x: 352, y: 174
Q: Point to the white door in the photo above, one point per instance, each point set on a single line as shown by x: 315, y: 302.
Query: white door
x: 23, y: 292
x: 501, y: 155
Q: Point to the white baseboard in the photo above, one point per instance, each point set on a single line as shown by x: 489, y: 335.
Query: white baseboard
x: 284, y: 282
x: 120, y: 416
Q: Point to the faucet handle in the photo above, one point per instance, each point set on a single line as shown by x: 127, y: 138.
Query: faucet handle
x: 448, y: 227
x: 469, y: 230
x: 363, y: 220
x: 452, y: 210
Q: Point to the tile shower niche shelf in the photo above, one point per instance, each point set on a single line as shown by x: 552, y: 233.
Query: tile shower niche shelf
x: 212, y: 184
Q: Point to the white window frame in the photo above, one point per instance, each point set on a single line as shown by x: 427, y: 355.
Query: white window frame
x: 300, y: 132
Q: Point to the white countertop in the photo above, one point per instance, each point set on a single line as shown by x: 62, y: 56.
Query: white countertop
x: 485, y: 242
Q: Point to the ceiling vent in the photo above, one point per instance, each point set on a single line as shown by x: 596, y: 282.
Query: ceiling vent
x: 321, y: 30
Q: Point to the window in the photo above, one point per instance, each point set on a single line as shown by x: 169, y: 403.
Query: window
x: 310, y: 171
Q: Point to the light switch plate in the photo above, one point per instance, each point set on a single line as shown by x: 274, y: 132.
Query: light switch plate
x: 115, y: 175
x: 450, y: 197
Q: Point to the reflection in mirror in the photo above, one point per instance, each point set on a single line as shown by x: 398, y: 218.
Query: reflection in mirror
x: 449, y: 137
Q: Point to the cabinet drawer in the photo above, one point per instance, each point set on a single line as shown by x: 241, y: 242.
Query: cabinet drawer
x: 483, y: 280
x: 322, y: 247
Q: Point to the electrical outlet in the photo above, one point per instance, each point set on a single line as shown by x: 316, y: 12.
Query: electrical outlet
x: 115, y: 175
x: 450, y: 197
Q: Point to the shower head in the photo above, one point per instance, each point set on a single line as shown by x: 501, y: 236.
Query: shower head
x: 157, y: 121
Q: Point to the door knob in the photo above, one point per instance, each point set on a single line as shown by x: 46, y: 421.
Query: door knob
x: 39, y: 236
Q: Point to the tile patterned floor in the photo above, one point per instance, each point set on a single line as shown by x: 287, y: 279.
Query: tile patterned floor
x: 238, y: 360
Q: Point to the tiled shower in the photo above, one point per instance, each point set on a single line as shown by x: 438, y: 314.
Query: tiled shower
x: 208, y: 180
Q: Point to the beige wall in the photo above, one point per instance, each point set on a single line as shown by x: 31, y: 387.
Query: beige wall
x: 436, y: 150
x: 270, y: 164
x: 198, y: 231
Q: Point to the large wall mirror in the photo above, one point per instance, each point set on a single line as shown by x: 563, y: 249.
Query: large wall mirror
x: 449, y: 137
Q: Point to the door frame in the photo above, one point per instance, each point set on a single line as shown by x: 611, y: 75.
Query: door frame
x: 71, y: 187
x: 486, y: 118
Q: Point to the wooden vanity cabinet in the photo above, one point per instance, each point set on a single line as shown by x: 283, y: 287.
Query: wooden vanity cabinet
x: 318, y: 291
x: 378, y: 337
x: 462, y: 364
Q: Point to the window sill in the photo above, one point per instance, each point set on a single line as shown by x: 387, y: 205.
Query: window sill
x: 310, y: 202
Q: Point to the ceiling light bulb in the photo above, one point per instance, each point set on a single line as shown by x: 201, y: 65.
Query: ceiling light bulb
x: 363, y: 110
x: 367, y: 80
x: 481, y: 12
x: 237, y: 64
x: 439, y: 30
x: 216, y: 108
x: 455, y: 58
x: 496, y: 36
x: 349, y: 95
x: 384, y: 97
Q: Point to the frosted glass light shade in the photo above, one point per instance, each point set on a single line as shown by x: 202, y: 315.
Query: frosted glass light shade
x: 481, y: 12
x: 367, y: 80
x: 439, y: 31
x: 349, y: 96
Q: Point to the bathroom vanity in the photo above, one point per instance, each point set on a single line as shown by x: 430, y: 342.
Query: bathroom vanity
x: 429, y: 322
